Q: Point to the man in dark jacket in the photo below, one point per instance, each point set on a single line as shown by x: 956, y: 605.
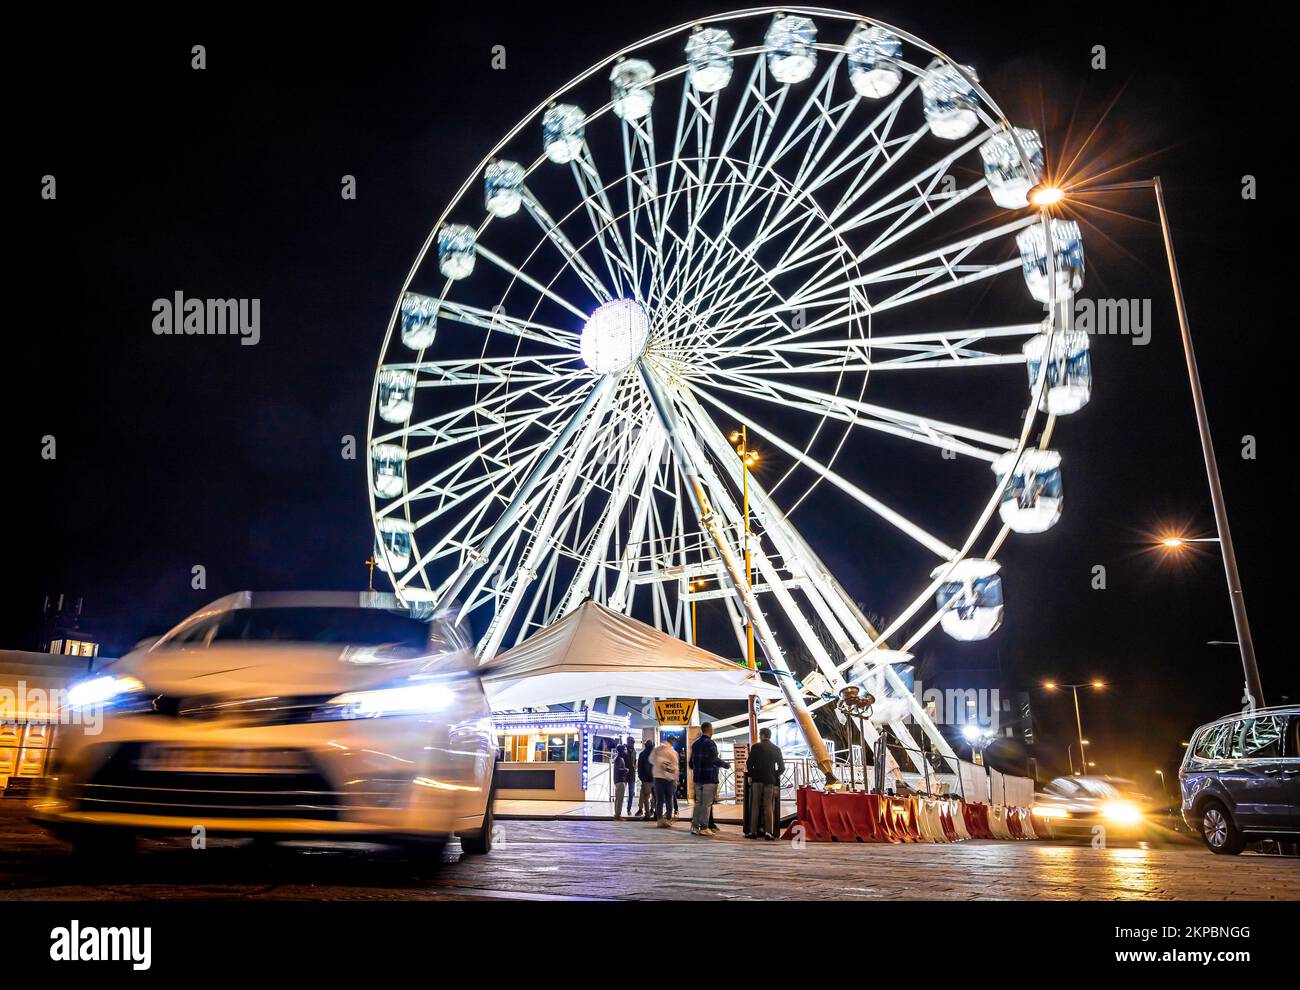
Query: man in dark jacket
x: 704, y: 763
x: 764, y: 770
x: 645, y: 809
x: 630, y: 757
x: 625, y: 775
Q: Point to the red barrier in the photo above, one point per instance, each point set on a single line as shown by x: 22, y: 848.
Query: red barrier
x: 977, y: 820
x: 852, y: 816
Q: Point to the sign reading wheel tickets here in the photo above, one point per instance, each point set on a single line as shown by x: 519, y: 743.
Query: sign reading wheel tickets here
x: 674, y: 711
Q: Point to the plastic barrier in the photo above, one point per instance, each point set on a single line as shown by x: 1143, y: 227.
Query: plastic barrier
x: 852, y: 816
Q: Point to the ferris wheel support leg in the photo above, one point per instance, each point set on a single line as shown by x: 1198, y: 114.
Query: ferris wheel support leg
x: 458, y: 581
x: 708, y: 520
x: 542, y: 536
x: 820, y: 583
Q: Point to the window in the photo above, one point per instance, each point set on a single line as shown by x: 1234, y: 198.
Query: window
x: 1261, y: 739
x: 1216, y: 742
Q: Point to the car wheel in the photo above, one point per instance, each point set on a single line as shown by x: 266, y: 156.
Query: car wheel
x: 1219, y: 831
x: 479, y: 842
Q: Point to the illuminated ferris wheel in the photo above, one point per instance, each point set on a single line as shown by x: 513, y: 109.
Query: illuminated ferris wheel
x: 799, y: 220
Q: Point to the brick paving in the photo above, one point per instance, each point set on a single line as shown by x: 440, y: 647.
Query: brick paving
x: 544, y: 860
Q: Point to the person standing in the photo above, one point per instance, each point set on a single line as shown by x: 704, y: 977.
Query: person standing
x: 622, y: 772
x: 663, y: 762
x: 645, y: 774
x: 628, y: 750
x: 705, y: 764
x: 765, y: 767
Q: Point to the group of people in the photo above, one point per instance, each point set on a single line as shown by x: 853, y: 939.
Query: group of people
x: 657, y: 768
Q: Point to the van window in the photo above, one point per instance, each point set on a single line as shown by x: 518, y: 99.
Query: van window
x: 1261, y: 739
x: 1216, y: 743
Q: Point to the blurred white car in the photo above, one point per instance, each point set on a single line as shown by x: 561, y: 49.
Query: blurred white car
x: 320, y: 716
x: 1076, y: 806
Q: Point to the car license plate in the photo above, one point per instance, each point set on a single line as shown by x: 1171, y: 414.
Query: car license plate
x: 206, y: 759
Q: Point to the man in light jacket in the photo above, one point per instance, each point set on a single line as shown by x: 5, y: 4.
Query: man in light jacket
x: 663, y: 763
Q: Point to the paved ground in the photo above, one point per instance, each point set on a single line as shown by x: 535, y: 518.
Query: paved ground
x: 631, y: 860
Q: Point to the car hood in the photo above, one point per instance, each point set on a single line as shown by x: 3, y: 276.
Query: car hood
x: 279, y: 669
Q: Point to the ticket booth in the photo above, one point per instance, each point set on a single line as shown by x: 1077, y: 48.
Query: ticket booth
x: 557, y: 755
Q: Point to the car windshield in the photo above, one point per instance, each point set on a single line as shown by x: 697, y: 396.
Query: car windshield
x: 345, y: 626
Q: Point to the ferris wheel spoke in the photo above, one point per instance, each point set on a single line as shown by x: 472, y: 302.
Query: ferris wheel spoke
x: 896, y: 519
x: 593, y: 399
x: 540, y: 538
x: 572, y: 256
x: 532, y: 283
x: 499, y: 321
x: 949, y: 436
x: 604, y: 224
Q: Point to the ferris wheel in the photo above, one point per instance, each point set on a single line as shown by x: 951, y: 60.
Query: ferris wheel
x: 796, y: 220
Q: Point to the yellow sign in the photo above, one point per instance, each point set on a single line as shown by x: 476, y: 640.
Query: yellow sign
x: 675, y: 711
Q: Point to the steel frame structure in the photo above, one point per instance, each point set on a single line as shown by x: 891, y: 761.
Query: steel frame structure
x: 763, y: 235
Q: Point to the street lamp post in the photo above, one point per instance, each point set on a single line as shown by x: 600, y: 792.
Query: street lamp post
x: 1045, y: 196
x: 1078, y: 718
x: 747, y: 459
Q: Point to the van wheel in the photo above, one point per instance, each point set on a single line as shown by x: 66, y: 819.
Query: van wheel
x: 1219, y: 831
x: 479, y: 842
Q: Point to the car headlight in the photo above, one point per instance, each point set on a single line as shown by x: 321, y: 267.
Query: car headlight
x: 1122, y: 812
x: 408, y: 698
x: 1049, y: 811
x: 105, y: 690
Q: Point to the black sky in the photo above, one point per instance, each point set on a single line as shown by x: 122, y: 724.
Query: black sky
x: 181, y: 451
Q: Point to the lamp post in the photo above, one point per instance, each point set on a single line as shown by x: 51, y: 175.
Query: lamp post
x: 1078, y: 717
x: 748, y: 458
x: 1045, y: 196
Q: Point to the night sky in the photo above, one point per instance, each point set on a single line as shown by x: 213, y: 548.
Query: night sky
x: 176, y: 451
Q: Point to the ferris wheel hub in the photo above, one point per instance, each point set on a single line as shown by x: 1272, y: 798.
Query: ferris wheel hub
x: 615, y: 336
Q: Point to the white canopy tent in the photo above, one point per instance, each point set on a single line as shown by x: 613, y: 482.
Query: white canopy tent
x: 594, y: 652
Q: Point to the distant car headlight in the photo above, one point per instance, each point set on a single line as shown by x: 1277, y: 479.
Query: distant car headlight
x: 1049, y: 811
x: 104, y: 690
x: 409, y: 698
x: 1122, y: 812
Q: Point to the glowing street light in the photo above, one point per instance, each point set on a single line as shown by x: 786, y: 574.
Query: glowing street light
x: 1044, y: 195
x: 1047, y: 196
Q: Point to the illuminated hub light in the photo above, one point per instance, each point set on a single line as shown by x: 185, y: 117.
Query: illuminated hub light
x: 614, y: 336
x: 949, y: 100
x: 709, y: 60
x: 970, y: 599
x: 503, y: 184
x: 630, y: 86
x: 562, y: 132
x: 1009, y: 181
x: 1067, y: 260
x: 791, y: 55
x: 874, y: 55
x: 456, y: 250
x: 1032, y: 496
x: 393, y: 545
x: 1069, y: 370
x: 388, y: 469
x: 396, y: 394
x: 419, y: 320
